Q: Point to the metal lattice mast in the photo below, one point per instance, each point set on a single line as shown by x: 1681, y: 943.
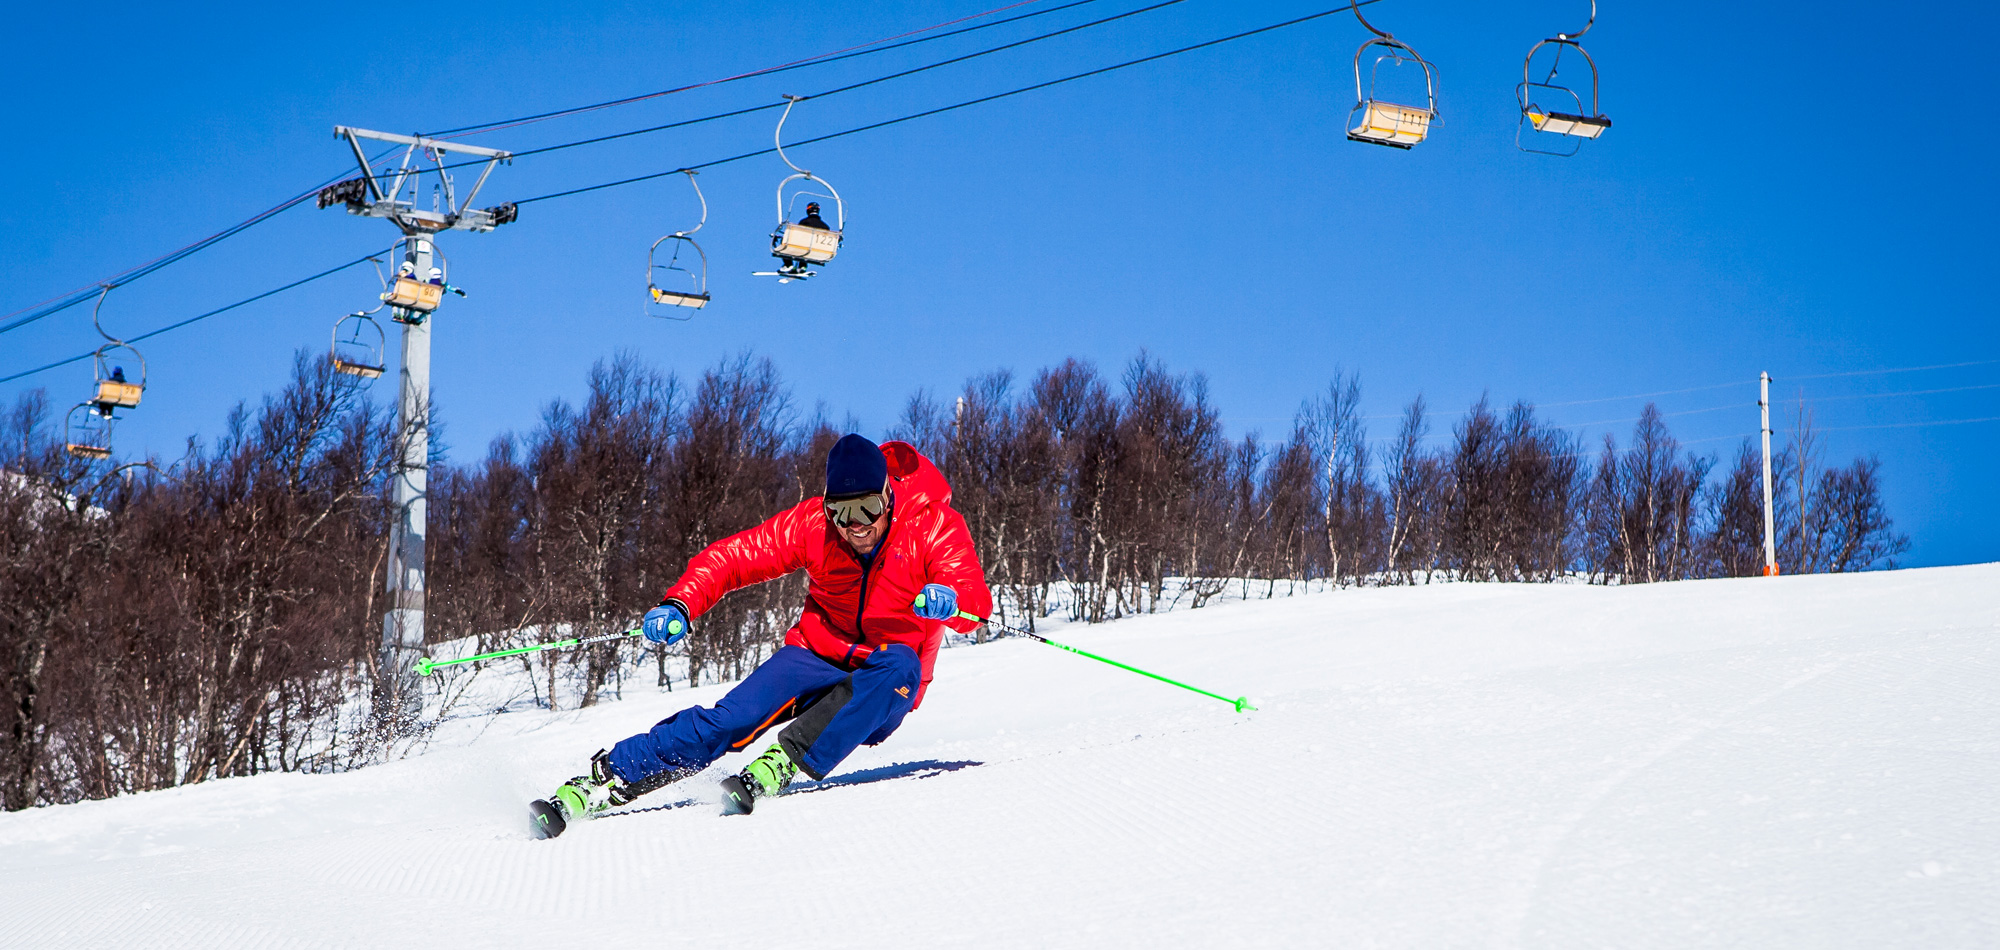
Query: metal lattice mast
x: 419, y: 289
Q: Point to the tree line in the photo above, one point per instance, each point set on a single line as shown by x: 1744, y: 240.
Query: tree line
x: 165, y: 623
x: 1112, y: 496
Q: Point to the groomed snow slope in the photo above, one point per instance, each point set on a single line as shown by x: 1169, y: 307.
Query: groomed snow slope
x: 1791, y: 762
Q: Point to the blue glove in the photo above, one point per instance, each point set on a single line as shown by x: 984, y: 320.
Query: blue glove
x: 667, y: 623
x: 937, y: 602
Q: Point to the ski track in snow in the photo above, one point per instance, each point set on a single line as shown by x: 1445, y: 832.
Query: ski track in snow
x: 1789, y: 762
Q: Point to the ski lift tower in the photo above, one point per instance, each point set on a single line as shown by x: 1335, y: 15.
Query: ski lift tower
x: 415, y: 294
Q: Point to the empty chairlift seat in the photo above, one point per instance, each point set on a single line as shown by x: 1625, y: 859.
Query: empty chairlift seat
x: 1386, y: 123
x: 358, y: 346
x: 675, y: 298
x: 695, y: 282
x: 1564, y: 123
x: 354, y: 367
x: 87, y: 433
x: 1374, y: 119
x: 1576, y: 126
x: 85, y: 450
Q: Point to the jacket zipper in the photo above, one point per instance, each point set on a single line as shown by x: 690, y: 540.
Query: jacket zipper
x: 867, y: 567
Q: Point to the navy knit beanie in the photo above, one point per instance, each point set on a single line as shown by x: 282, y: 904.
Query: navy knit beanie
x: 855, y: 466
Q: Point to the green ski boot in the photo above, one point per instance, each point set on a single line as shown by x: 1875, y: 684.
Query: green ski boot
x: 582, y: 797
x: 763, y: 778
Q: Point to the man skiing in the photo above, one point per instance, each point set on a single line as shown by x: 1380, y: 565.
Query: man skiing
x: 890, y: 566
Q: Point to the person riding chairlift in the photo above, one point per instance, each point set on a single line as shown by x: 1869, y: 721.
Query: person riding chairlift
x: 812, y: 218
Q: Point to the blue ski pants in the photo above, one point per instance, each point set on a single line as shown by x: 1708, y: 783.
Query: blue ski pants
x: 831, y: 711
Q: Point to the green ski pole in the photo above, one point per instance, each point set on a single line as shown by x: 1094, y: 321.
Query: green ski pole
x: 426, y: 665
x: 1241, y: 703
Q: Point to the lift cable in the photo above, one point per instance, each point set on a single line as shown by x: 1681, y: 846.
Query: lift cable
x: 80, y: 295
x: 372, y: 255
x: 943, y: 109
x: 734, y: 158
x: 614, y: 136
x: 53, y: 305
x: 864, y: 49
x: 70, y: 299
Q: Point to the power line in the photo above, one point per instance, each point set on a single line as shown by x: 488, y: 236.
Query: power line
x: 1441, y: 436
x: 1663, y: 392
x: 1912, y: 392
x: 1884, y: 372
x: 1775, y: 379
x: 1813, y: 401
x: 1909, y: 425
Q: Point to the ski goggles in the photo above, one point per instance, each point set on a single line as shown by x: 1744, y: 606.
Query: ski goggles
x: 862, y: 509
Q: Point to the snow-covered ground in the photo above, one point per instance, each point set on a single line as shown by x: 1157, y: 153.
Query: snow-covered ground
x: 1791, y: 762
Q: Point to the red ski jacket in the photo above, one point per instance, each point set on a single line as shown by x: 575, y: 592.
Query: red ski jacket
x: 854, y: 608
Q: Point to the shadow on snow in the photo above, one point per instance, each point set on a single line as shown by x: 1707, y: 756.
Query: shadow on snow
x: 925, y: 768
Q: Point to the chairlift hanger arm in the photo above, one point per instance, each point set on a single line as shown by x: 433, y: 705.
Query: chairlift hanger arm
x: 778, y: 142
x: 1573, y: 37
x: 777, y: 135
x: 98, y: 309
x: 1355, y: 5
x: 704, y: 202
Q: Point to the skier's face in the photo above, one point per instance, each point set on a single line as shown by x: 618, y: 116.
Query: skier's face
x: 863, y: 537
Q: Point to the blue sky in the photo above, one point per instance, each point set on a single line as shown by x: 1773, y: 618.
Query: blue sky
x: 1784, y: 189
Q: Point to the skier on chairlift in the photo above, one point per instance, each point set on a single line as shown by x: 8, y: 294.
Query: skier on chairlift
x: 812, y: 218
x: 857, y: 661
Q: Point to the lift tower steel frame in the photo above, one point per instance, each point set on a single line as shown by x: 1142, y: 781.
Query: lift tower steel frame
x: 382, y: 196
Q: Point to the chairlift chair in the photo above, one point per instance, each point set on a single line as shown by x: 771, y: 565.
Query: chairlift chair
x: 799, y: 246
x: 411, y: 295
x: 1378, y: 121
x: 87, y: 432
x: 414, y: 295
x: 696, y: 297
x: 1575, y: 126
x: 113, y: 391
x: 358, y: 346
x: 665, y: 300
